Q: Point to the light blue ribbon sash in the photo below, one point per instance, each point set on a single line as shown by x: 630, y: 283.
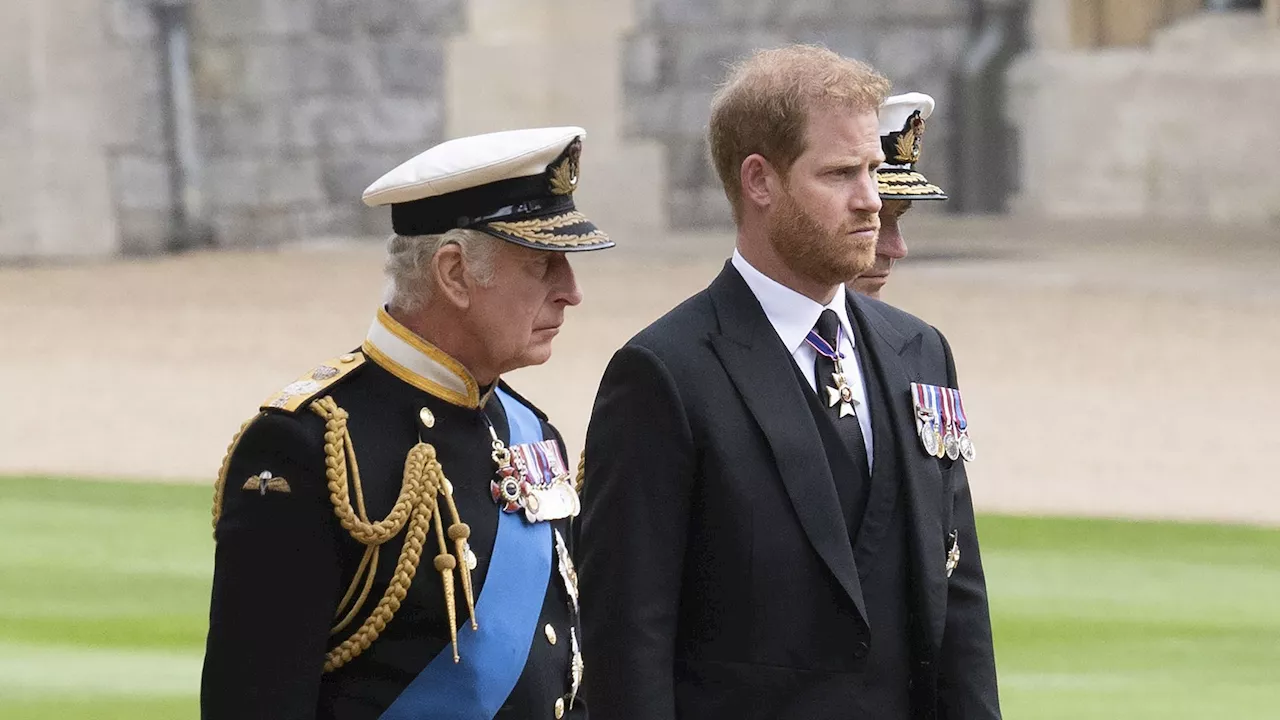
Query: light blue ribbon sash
x: 510, y: 603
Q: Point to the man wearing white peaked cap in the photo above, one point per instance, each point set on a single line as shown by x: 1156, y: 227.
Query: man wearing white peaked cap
x: 392, y: 527
x: 902, y: 121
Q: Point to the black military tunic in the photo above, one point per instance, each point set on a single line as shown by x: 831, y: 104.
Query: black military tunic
x: 284, y: 562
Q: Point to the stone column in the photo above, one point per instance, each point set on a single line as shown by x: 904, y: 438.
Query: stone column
x: 529, y: 63
x: 55, y: 196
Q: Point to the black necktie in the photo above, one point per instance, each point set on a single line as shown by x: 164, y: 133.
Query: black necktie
x: 848, y: 426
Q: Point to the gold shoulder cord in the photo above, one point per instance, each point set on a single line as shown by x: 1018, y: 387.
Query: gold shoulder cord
x: 417, y: 505
x: 581, y: 480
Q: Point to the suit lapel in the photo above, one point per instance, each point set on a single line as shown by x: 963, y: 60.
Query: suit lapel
x: 896, y: 359
x: 762, y: 370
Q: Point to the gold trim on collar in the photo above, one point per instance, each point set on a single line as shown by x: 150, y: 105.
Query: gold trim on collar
x: 428, y: 359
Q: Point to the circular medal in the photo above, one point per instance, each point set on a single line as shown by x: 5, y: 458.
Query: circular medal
x: 511, y: 490
x: 966, y: 448
x: 929, y: 438
x: 941, y: 449
x: 951, y: 445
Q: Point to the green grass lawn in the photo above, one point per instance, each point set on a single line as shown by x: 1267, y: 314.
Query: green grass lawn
x: 104, y: 595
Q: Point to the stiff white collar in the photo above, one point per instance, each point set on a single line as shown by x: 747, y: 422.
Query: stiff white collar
x: 419, y: 363
x: 792, y: 315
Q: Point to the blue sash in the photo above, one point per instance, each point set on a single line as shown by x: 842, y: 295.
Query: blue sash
x: 507, y: 611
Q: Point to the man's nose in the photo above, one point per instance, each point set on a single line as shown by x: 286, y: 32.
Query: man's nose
x: 891, y: 243
x: 867, y: 197
x: 567, y: 289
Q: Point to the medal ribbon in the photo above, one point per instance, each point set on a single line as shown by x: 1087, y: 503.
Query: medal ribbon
x: 948, y: 410
x: 538, y: 462
x: 960, y: 416
x: 823, y: 347
x: 935, y: 406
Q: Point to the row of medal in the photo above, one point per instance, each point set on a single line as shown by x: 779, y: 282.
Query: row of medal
x: 534, y: 477
x: 941, y: 422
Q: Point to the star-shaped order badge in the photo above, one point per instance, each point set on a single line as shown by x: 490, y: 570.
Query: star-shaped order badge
x: 841, y: 394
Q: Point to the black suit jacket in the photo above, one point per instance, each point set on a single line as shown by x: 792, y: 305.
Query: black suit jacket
x: 718, y: 578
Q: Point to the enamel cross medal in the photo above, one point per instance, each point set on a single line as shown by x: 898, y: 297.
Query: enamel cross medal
x: 533, y: 477
x: 841, y: 394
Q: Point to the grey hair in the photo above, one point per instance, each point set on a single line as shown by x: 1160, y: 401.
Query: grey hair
x: 408, y: 266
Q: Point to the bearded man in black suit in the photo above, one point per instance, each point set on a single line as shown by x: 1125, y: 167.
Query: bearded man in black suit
x: 771, y: 527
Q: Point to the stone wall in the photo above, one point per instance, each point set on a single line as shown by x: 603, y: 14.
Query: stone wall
x: 522, y: 66
x: 54, y: 188
x: 135, y: 126
x: 303, y: 103
x: 677, y: 54
x: 300, y: 104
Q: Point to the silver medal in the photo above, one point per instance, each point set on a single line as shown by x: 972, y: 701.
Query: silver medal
x: 577, y: 667
x: 929, y: 438
x: 953, y: 554
x: 966, y: 448
x: 951, y: 445
x: 554, y: 502
x: 567, y: 572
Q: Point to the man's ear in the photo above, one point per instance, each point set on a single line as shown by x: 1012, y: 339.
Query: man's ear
x: 452, y: 281
x: 760, y: 181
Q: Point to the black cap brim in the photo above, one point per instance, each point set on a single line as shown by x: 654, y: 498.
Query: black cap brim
x: 907, y: 185
x: 569, y: 231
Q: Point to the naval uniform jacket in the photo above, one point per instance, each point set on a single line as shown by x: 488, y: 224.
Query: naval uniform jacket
x: 283, y: 562
x: 719, y: 577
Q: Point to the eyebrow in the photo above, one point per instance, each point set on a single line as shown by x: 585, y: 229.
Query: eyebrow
x: 849, y: 161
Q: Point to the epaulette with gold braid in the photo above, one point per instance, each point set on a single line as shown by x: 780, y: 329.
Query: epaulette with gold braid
x: 297, y: 394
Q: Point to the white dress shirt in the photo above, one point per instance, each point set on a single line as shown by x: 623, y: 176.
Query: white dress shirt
x: 793, y: 315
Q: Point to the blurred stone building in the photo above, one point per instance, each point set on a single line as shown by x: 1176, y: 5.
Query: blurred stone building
x: 1150, y: 108
x: 140, y: 126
